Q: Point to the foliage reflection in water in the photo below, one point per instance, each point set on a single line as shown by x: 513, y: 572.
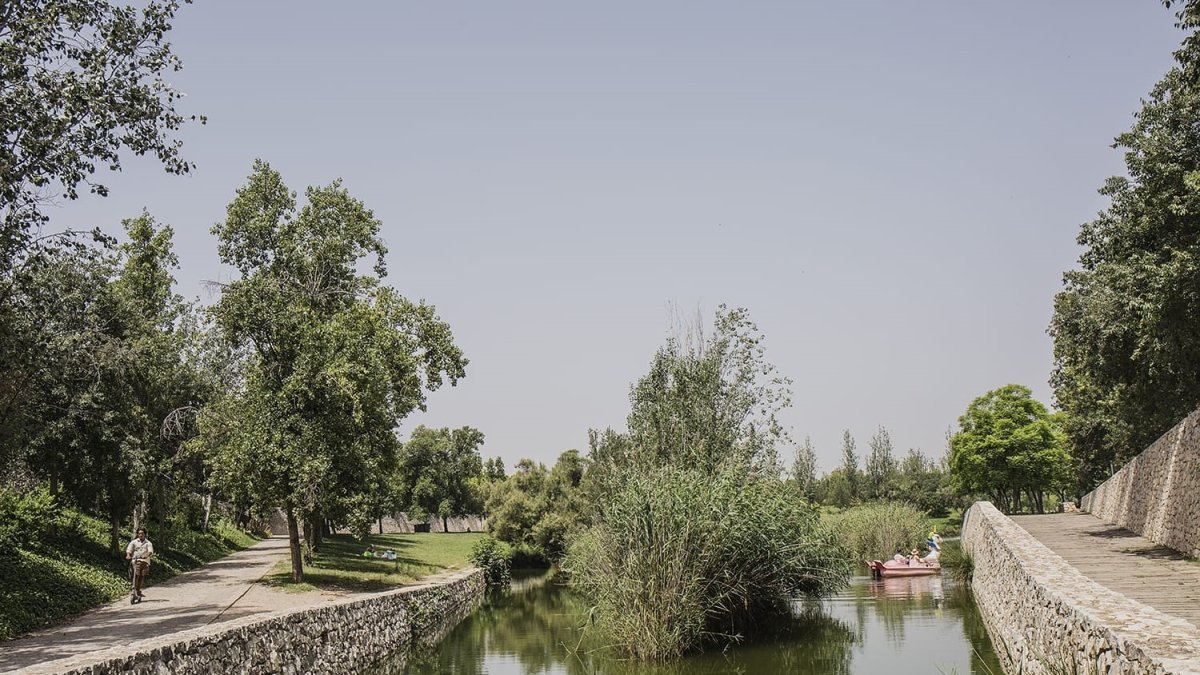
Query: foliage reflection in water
x: 896, y: 626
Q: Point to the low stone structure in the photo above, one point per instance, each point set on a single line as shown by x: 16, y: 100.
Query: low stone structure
x: 341, y: 637
x: 399, y: 522
x: 276, y: 524
x: 1045, y: 618
x: 1157, y: 494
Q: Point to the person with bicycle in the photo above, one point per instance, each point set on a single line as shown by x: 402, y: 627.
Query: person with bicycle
x: 138, y: 553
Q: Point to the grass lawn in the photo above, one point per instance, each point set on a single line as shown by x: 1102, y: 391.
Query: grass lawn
x: 339, y: 565
x: 949, y: 526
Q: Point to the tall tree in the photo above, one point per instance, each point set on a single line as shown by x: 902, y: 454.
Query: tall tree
x: 711, y: 400
x: 1126, y: 325
x: 850, y: 467
x: 336, y: 360
x: 804, y: 469
x: 1008, y: 446
x: 101, y: 440
x: 81, y: 83
x: 881, y: 466
x: 435, y: 473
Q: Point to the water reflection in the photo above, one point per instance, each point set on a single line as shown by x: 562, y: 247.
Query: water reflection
x: 895, y: 626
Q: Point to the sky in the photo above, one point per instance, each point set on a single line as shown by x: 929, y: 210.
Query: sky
x: 892, y: 190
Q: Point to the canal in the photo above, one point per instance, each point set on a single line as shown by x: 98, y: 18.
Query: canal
x: 893, y: 627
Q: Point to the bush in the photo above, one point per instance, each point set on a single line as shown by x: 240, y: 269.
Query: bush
x: 25, y: 517
x: 494, y: 558
x: 680, y: 557
x: 957, y: 561
x: 875, y: 531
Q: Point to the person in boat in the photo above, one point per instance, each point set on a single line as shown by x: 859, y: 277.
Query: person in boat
x: 900, y: 557
x: 914, y: 559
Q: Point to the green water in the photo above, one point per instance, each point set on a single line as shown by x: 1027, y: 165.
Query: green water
x: 923, y: 625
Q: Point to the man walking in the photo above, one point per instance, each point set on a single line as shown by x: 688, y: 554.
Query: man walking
x: 138, y: 552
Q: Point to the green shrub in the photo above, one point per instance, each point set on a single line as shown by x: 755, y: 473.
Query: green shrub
x: 680, y: 557
x: 875, y: 531
x: 957, y: 561
x: 494, y: 558
x: 25, y: 517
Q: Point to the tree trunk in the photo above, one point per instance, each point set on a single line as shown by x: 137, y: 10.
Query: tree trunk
x: 318, y: 532
x: 308, y: 543
x: 114, y: 534
x: 207, y: 511
x: 294, y: 545
x: 445, y: 525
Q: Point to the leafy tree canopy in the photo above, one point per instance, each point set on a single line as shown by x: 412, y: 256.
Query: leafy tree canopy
x: 1008, y: 446
x: 80, y: 81
x: 1126, y: 326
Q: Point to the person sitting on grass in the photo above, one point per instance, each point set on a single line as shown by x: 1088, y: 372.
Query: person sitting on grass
x: 138, y: 552
x: 370, y: 552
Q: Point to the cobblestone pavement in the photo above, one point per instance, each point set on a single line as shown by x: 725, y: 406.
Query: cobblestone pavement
x: 1122, y: 561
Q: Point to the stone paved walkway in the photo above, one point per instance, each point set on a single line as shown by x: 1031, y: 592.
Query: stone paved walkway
x: 220, y: 591
x: 1122, y: 561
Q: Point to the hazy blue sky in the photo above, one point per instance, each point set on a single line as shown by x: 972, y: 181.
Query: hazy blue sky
x: 893, y: 189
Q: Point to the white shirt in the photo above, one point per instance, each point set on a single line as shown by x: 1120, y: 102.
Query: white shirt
x: 139, y: 548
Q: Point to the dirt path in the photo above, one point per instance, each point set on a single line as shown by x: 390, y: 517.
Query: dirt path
x: 219, y: 591
x: 1122, y: 561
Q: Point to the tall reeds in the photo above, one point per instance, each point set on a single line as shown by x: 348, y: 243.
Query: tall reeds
x: 683, y: 557
x: 877, y: 530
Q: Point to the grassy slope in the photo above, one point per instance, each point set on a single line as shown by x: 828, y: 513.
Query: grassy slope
x: 339, y: 564
x: 70, y: 570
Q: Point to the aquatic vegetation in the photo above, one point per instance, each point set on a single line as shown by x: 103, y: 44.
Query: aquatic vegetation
x: 681, y: 558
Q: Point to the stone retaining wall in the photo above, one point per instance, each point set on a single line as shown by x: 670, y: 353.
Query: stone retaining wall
x: 1157, y: 494
x: 342, y: 637
x: 1045, y: 618
x: 276, y: 524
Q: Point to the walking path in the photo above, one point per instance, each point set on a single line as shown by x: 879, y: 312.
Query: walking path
x: 1122, y: 561
x: 219, y: 591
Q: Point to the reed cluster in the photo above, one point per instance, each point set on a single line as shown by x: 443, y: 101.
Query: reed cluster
x: 682, y: 557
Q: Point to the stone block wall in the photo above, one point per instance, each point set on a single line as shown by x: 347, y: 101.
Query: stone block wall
x: 399, y: 522
x: 1045, y: 618
x: 348, y: 636
x: 276, y: 524
x: 1157, y: 494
